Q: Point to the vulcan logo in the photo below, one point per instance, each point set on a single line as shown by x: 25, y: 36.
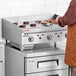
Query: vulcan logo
x: 26, y: 30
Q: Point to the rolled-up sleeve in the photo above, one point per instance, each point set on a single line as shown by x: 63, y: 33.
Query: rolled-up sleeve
x: 70, y: 15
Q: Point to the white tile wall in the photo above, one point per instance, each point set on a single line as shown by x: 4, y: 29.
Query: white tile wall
x: 21, y: 11
x: 33, y: 3
x: 31, y: 7
x: 10, y: 3
x: 61, y: 9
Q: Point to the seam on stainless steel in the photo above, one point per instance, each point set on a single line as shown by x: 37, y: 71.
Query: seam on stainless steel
x: 45, y: 56
x: 47, y: 71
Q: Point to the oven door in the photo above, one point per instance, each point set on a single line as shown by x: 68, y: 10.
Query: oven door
x: 51, y: 73
x: 46, y: 63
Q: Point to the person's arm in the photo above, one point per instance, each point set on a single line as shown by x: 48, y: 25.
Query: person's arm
x: 70, y: 16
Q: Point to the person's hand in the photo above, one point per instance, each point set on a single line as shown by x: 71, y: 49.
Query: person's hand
x: 52, y: 21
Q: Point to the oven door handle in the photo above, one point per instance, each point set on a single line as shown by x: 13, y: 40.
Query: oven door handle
x: 53, y: 75
x: 47, y: 63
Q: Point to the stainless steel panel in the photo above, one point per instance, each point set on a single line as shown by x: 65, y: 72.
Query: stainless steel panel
x: 45, y: 63
x: 51, y: 73
x: 1, y: 68
x: 14, y: 62
x: 1, y: 51
x: 61, y: 45
x: 43, y: 52
x: 38, y: 52
x: 2, y: 58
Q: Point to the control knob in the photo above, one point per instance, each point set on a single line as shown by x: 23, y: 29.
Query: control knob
x: 49, y: 37
x: 30, y: 39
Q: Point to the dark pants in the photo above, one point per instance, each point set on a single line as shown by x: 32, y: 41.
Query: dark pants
x: 73, y: 71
